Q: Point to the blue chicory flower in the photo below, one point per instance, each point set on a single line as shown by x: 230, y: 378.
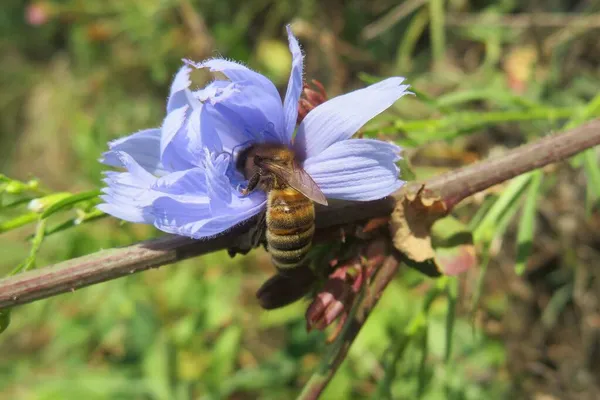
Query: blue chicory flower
x: 182, y: 177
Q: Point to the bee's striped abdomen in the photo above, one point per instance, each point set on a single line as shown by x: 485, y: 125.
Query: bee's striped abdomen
x: 290, y: 227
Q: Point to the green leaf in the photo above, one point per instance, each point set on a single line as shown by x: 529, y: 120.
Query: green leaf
x: 592, y: 170
x: 4, y: 319
x: 83, y: 218
x: 452, y: 295
x: 485, y: 260
x: 40, y: 204
x: 556, y: 305
x: 13, y: 186
x: 225, y: 352
x: 29, y: 262
x: 69, y: 202
x: 506, y: 98
x: 453, y: 245
x: 157, y: 365
x: 459, y: 123
x: 18, y: 221
x: 591, y: 110
x: 506, y: 202
x: 391, y: 358
x: 437, y: 30
x: 413, y: 32
x: 481, y: 212
x: 423, y: 375
x: 527, y: 222
x: 16, y: 202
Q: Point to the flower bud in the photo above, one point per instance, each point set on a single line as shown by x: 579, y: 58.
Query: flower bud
x: 333, y: 300
x: 339, y: 292
x: 38, y: 13
x: 310, y: 98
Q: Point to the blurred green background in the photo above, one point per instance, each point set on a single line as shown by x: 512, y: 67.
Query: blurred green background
x: 489, y: 75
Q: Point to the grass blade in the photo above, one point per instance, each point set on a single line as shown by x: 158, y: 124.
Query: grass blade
x: 392, y: 356
x: 437, y: 30
x: 527, y: 224
x: 452, y: 295
x: 592, y: 171
x: 488, y: 227
x: 423, y: 376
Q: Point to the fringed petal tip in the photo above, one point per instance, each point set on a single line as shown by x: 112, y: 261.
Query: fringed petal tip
x: 179, y: 87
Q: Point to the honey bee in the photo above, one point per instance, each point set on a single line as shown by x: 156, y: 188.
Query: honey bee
x: 290, y: 213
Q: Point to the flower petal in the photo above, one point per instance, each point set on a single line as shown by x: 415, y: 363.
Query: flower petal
x: 237, y: 73
x: 175, y: 152
x: 342, y: 116
x: 180, y: 217
x: 190, y: 183
x: 181, y: 82
x: 294, y: 88
x: 216, y: 92
x: 143, y: 147
x: 217, y: 182
x: 194, y: 218
x: 243, y: 118
x: 253, y: 116
x: 128, y: 194
x: 356, y: 169
x: 182, y: 134
x: 201, y: 202
x: 258, y: 105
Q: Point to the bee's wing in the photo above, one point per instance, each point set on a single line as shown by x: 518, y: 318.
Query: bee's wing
x: 299, y: 179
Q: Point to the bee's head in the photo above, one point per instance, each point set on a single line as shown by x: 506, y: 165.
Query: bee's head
x: 274, y: 154
x: 255, y: 157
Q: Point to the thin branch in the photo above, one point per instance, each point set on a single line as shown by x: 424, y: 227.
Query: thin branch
x: 457, y: 185
x: 454, y: 187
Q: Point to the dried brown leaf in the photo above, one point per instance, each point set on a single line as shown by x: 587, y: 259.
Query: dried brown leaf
x: 411, y: 223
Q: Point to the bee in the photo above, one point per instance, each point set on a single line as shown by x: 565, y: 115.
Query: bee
x: 290, y: 212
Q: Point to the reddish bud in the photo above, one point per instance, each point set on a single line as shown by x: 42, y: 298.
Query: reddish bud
x: 334, y: 299
x: 37, y: 13
x: 337, y: 297
x: 329, y: 304
x: 310, y: 98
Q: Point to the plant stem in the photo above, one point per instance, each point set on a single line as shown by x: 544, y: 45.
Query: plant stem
x: 453, y: 187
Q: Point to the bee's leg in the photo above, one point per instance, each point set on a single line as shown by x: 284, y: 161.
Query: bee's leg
x: 252, y: 184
